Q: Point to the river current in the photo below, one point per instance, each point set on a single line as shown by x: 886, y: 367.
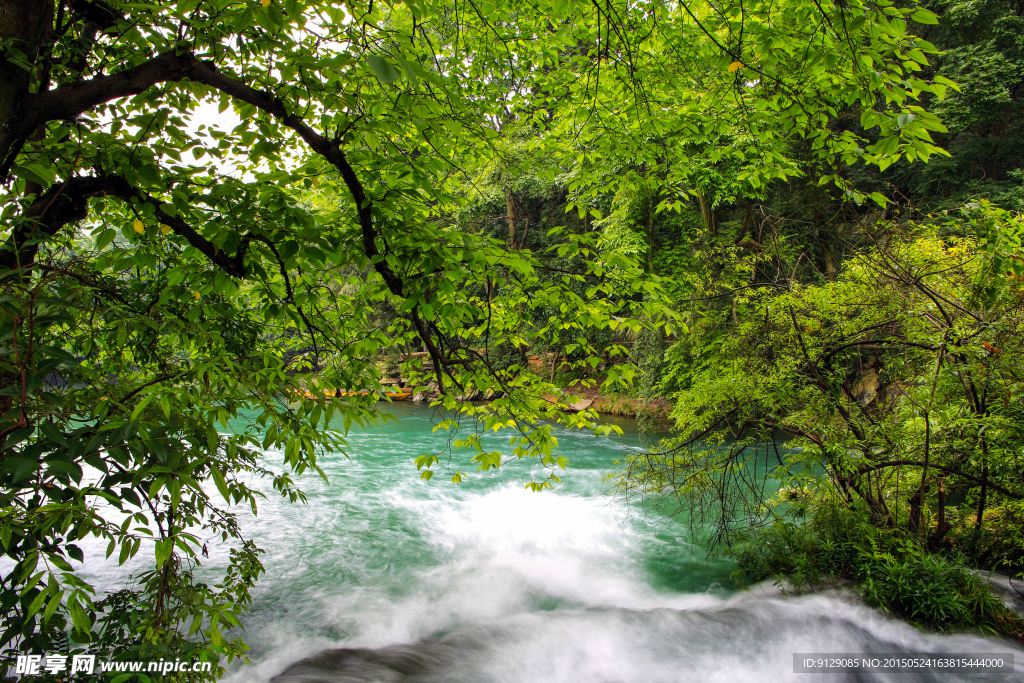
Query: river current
x: 385, y: 577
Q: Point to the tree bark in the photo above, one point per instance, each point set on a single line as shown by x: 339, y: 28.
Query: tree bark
x: 512, y: 216
x: 23, y: 24
x: 830, y: 264
x: 708, y: 214
x: 942, y: 526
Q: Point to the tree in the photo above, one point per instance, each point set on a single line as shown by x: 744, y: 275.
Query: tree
x: 891, y: 389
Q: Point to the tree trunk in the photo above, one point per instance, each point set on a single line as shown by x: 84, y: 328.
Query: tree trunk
x: 942, y: 526
x: 983, y: 499
x: 830, y: 263
x: 915, y: 523
x: 708, y: 213
x: 512, y: 216
x: 22, y: 24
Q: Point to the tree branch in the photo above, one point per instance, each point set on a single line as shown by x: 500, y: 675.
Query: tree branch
x: 204, y: 72
x: 917, y: 463
x: 65, y: 203
x: 71, y: 100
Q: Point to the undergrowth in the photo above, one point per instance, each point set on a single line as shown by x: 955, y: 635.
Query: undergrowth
x: 889, y: 570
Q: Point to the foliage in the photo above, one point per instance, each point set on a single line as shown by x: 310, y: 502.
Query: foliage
x: 890, y: 571
x: 895, y: 386
x: 166, y: 282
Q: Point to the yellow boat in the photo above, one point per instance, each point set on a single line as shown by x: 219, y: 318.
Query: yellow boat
x: 400, y: 394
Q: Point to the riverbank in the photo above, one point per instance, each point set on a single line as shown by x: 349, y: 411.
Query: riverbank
x: 590, y: 398
x: 624, y: 406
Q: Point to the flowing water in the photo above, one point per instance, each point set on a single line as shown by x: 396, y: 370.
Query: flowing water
x: 385, y: 577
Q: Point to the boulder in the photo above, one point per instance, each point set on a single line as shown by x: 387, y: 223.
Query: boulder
x: 425, y: 395
x: 581, y: 405
x: 866, y: 388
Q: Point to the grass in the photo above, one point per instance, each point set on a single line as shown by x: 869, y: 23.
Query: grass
x: 889, y: 570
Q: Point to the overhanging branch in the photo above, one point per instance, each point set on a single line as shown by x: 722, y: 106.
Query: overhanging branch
x: 951, y: 470
x: 71, y: 100
x: 68, y: 202
x: 204, y: 72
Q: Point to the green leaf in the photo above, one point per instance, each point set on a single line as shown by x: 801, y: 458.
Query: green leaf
x: 408, y: 69
x: 51, y: 607
x: 51, y: 432
x: 105, y: 238
x: 947, y: 82
x: 36, y: 604
x: 924, y: 16
x: 222, y: 485
x: 20, y: 468
x: 79, y: 618
x: 162, y: 550
x: 383, y: 69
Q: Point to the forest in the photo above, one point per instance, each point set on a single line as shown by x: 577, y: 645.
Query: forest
x: 795, y: 223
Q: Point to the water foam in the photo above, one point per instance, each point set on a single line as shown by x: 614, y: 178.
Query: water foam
x: 393, y: 579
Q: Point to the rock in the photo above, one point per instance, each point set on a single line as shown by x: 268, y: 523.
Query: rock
x: 427, y: 394
x: 581, y: 405
x: 865, y: 389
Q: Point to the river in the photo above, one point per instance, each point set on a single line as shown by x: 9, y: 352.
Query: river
x: 399, y: 579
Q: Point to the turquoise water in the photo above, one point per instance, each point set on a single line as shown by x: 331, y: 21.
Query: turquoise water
x: 379, y: 556
x: 385, y: 577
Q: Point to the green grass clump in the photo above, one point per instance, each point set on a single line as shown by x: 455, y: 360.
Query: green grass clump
x: 888, y: 569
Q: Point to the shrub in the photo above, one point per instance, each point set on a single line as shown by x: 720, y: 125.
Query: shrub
x: 888, y: 569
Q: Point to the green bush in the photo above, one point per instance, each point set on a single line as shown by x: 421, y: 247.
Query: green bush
x: 888, y: 569
x: 824, y: 548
